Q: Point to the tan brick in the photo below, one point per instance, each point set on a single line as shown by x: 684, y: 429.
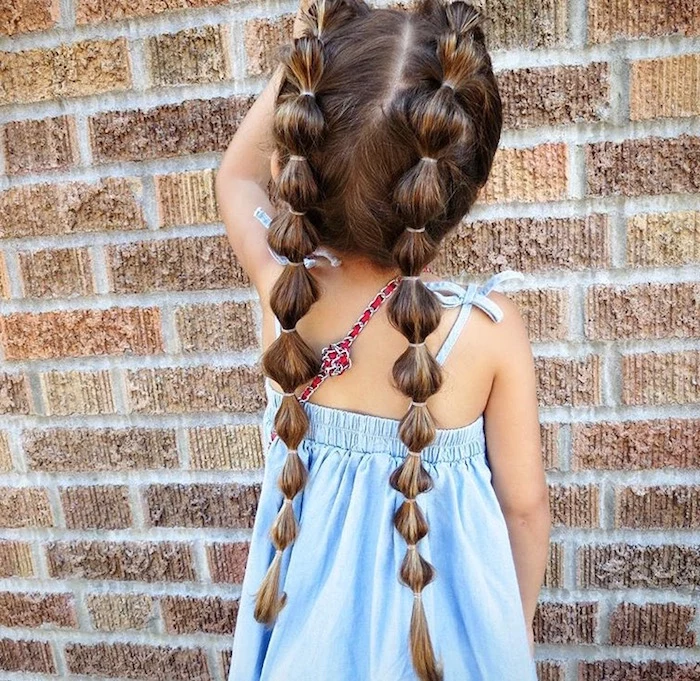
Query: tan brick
x: 26, y: 656
x: 660, y: 507
x: 216, y: 327
x: 195, y: 55
x: 549, y: 434
x: 124, y: 561
x: 554, y: 572
x: 611, y: 670
x: 648, y: 310
x: 99, y: 449
x: 527, y: 244
x: 636, y: 445
x: 6, y: 464
x: 224, y: 658
x: 554, y: 95
x: 25, y: 507
x: 665, y: 88
x: 137, y: 661
x: 101, y: 507
x: 565, y: 623
x: 187, y: 198
x: 201, y: 505
x: 195, y: 389
x: 574, y: 505
x: 25, y: 16
x: 81, y: 333
x: 45, y: 209
x: 89, y: 67
x: 37, y: 146
x: 262, y: 38
x: 182, y: 264
x: 652, y: 624
x: 661, y: 378
x: 527, y: 174
x: 227, y: 561
x: 571, y: 382
x: 202, y: 126
x: 634, y: 167
x: 613, y: 19
x: 619, y: 566
x: 56, y: 273
x: 4, y: 278
x: 655, y: 239
x: 35, y: 610
x: 549, y: 671
x: 16, y: 559
x: 226, y: 447
x: 207, y: 615
x: 91, y: 12
x: 14, y: 394
x: 119, y: 612
x: 77, y: 392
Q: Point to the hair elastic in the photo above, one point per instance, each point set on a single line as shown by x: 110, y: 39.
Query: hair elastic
x: 417, y: 454
x: 289, y: 394
x: 411, y: 547
x: 279, y: 552
x: 416, y: 345
x: 417, y: 404
x: 413, y: 229
x: 293, y: 263
x: 412, y: 276
x: 446, y: 83
x: 416, y: 594
x: 429, y: 158
x: 307, y: 92
x: 287, y: 500
x: 410, y: 501
x: 296, y: 212
x: 296, y: 157
x: 294, y: 328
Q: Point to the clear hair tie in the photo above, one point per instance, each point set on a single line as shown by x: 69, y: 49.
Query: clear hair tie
x: 413, y: 229
x: 307, y: 92
x: 416, y: 345
x: 446, y: 83
x: 296, y: 157
x: 289, y: 394
x: 416, y: 594
x: 416, y: 454
x: 412, y: 276
x: 411, y: 547
x: 429, y: 158
x: 297, y: 212
x: 287, y: 500
x: 294, y: 328
x: 417, y: 404
x: 279, y: 552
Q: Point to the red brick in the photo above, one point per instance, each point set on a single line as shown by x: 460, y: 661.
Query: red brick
x: 46, y: 209
x: 549, y: 671
x: 574, y: 505
x: 554, y: 572
x: 659, y: 507
x: 25, y: 507
x: 634, y: 167
x: 661, y: 378
x: 99, y: 449
x: 35, y: 146
x: 618, y: 670
x: 136, y: 661
x: 190, y: 615
x: 56, y: 273
x: 574, y: 382
x: 565, y: 623
x: 613, y: 19
x: 636, y: 445
x: 227, y: 561
x: 140, y: 561
x: 648, y: 310
x: 183, y: 390
x: 201, y: 126
x: 619, y: 566
x: 37, y: 610
x: 652, y: 624
x: 103, y: 507
x: 202, y: 505
x: 182, y: 264
x: 89, y: 67
x: 81, y: 333
x: 554, y: 95
x: 25, y: 16
x: 26, y: 656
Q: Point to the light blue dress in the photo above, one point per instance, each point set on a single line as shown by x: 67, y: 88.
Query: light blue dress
x: 347, y: 616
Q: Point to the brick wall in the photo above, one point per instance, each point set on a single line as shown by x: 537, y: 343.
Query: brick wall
x: 131, y: 393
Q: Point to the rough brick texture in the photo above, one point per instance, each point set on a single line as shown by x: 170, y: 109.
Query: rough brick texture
x: 657, y: 239
x: 653, y: 624
x: 24, y: 16
x: 617, y: 670
x: 186, y: 198
x: 119, y: 612
x: 564, y: 623
x: 661, y: 507
x: 661, y: 378
x: 35, y: 146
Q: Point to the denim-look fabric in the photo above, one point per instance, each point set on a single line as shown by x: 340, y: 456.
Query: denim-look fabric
x: 347, y: 616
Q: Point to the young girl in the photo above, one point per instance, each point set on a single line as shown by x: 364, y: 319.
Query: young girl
x: 403, y: 522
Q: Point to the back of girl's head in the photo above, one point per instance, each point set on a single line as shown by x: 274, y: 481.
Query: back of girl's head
x: 385, y: 128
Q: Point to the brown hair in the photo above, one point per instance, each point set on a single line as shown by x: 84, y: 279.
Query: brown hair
x: 385, y: 126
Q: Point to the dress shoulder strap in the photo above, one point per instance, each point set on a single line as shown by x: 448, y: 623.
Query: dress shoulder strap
x: 452, y: 294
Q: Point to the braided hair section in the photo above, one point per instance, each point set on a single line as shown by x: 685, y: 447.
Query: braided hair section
x: 434, y: 116
x: 299, y: 127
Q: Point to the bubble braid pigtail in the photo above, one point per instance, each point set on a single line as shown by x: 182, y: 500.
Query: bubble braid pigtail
x: 298, y: 129
x: 435, y: 119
